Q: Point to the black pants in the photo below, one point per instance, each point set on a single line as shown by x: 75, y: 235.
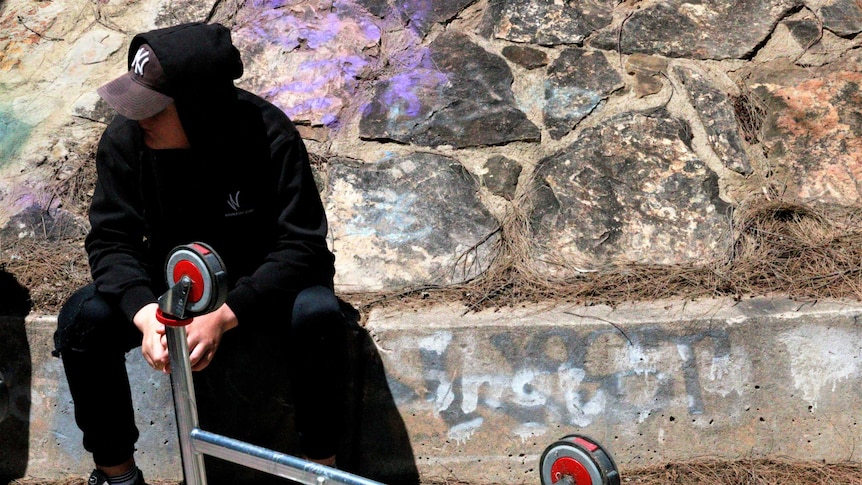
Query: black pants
x: 93, y: 337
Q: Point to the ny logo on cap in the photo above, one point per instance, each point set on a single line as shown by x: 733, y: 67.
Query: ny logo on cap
x: 142, y: 57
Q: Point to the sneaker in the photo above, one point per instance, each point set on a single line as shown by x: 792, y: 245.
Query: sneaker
x: 97, y: 477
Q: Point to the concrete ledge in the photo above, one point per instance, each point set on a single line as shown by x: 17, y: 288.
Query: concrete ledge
x: 46, y: 442
x: 484, y: 394
x: 481, y: 395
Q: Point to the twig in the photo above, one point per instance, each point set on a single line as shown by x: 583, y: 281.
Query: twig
x: 620, y: 38
x: 41, y: 35
x: 614, y: 324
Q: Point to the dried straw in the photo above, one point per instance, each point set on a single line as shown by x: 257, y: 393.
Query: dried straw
x: 747, y: 472
x: 701, y: 472
x: 778, y: 247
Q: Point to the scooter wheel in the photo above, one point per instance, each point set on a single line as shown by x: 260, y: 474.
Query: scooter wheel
x: 577, y: 460
x: 205, y: 268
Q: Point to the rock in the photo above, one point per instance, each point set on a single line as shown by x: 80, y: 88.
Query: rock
x: 646, y: 71
x: 501, y: 176
x: 52, y: 70
x: 94, y: 47
x: 813, y: 132
x: 378, y: 8
x: 28, y: 31
x: 13, y: 134
x: 805, y: 32
x: 801, y: 40
x: 547, y: 22
x: 407, y: 220
x: 457, y: 94
x: 173, y: 13
x: 356, y: 75
x: 715, y: 110
x: 421, y: 16
x: 629, y: 189
x: 38, y: 222
x: 306, y: 58
x: 577, y: 82
x: 843, y: 17
x: 92, y: 107
x: 714, y: 29
x: 528, y: 57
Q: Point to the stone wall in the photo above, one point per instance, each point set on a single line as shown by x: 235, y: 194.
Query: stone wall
x: 622, y: 131
x: 625, y: 130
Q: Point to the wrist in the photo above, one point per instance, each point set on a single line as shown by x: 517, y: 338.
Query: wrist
x: 228, y: 317
x: 144, y: 317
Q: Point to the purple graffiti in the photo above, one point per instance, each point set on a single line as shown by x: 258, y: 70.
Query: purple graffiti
x: 322, y: 45
x: 417, y: 79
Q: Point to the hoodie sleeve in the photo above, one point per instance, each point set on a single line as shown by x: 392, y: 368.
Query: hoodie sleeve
x: 300, y: 258
x: 115, y: 244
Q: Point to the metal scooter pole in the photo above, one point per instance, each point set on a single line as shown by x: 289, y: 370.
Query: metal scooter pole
x: 185, y: 404
x: 196, y: 281
x: 172, y: 313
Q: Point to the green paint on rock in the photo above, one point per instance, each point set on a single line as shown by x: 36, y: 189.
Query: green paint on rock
x: 13, y: 134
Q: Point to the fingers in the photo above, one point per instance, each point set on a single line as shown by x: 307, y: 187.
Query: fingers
x: 158, y: 360
x: 201, y: 354
x: 155, y: 350
x: 154, y: 344
x: 203, y: 362
x: 203, y: 340
x: 149, y: 360
x: 196, y: 355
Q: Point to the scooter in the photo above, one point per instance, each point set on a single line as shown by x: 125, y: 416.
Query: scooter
x: 197, y: 285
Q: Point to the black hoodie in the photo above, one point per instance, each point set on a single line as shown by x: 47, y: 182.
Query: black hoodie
x: 245, y: 187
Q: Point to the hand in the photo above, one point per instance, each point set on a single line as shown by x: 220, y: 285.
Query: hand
x: 154, y: 345
x: 204, y: 335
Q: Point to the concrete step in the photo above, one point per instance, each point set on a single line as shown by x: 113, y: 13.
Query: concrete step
x: 477, y: 397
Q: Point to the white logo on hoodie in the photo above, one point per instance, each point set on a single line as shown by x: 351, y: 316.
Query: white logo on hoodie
x: 233, y: 201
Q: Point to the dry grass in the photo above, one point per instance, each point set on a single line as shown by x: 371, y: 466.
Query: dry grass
x: 49, y: 258
x: 747, y: 472
x: 50, y: 269
x: 78, y: 481
x: 778, y: 248
x: 796, y: 249
x: 702, y: 472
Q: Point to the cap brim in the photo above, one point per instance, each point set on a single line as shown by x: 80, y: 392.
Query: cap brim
x: 132, y: 99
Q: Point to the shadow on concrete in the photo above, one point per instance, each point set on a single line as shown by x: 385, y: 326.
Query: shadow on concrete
x: 244, y: 395
x: 378, y: 446
x: 15, y: 378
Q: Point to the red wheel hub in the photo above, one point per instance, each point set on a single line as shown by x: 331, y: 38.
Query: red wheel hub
x: 187, y: 268
x: 571, y: 467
